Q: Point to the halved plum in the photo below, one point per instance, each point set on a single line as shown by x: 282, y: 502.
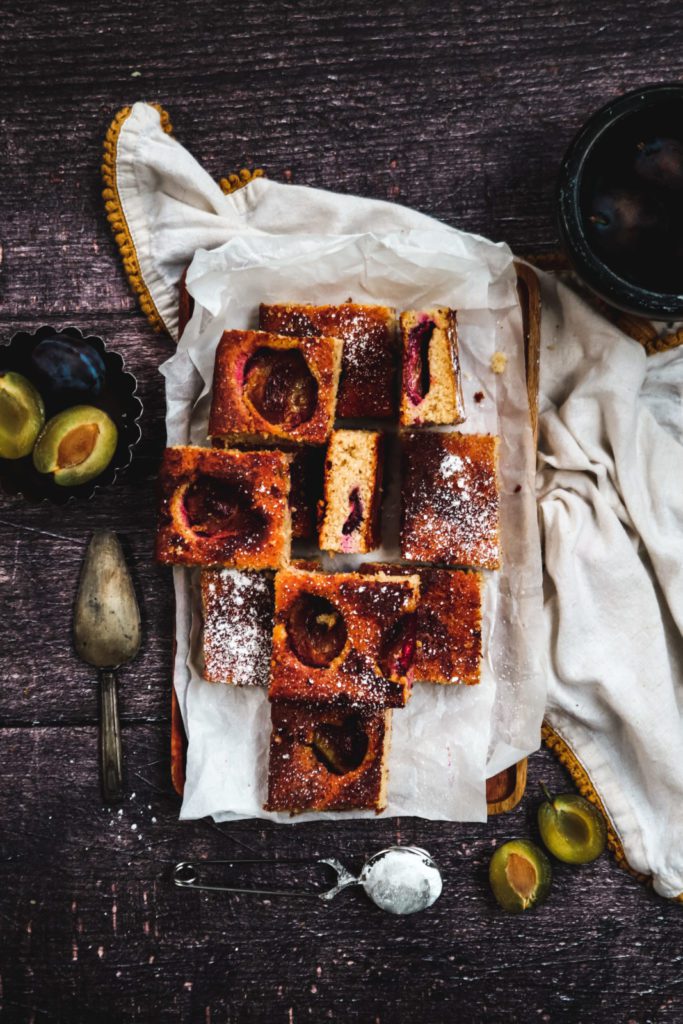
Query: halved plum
x: 316, y: 630
x: 280, y: 386
x: 341, y: 748
x: 22, y: 415
x: 76, y: 445
x: 219, y: 508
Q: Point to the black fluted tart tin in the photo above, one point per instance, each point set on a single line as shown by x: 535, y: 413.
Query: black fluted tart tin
x: 661, y: 108
x: 118, y: 398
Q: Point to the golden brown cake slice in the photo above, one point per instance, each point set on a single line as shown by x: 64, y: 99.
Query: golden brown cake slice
x: 327, y: 759
x: 224, y: 508
x: 431, y: 390
x: 237, y: 638
x: 449, y: 499
x: 343, y: 638
x: 368, y: 379
x: 268, y: 387
x: 349, y: 511
x: 448, y: 623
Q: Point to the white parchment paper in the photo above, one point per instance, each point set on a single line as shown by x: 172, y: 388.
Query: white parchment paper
x: 448, y: 739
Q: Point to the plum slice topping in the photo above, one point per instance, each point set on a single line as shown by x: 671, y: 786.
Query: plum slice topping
x: 280, y: 386
x: 341, y: 748
x: 316, y: 630
x: 355, y: 516
x: 417, y: 375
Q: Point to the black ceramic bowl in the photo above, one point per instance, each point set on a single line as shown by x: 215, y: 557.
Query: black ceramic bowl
x: 632, y: 255
x: 117, y: 398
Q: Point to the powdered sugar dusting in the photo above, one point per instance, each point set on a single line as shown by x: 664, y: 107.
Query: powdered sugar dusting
x: 238, y: 622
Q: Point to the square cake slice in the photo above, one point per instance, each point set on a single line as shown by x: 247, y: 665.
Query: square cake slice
x: 368, y: 377
x: 237, y: 639
x: 343, y: 639
x: 327, y: 759
x: 349, y: 511
x: 224, y: 508
x: 449, y: 499
x: 431, y: 390
x: 268, y: 387
x: 447, y: 623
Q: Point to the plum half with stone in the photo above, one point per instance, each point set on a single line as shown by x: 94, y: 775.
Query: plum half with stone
x: 520, y: 875
x: 571, y: 827
x: 22, y: 415
x: 76, y: 445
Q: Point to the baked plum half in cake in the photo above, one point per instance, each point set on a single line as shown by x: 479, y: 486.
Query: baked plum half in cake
x: 327, y: 759
x: 268, y: 387
x: 224, y: 508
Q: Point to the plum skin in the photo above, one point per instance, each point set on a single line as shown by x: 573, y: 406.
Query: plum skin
x: 76, y: 445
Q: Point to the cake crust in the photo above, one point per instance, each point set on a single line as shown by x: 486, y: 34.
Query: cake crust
x: 223, y: 508
x: 270, y: 387
x: 449, y: 499
x: 368, y: 379
x: 327, y: 759
x: 343, y: 638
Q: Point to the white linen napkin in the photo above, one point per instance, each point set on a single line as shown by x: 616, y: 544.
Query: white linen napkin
x: 609, y: 485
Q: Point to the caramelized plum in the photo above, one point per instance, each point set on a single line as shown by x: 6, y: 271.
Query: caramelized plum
x: 341, y: 748
x: 76, y: 445
x: 418, y: 380
x: 280, y: 386
x: 216, y: 507
x: 398, y: 647
x: 22, y: 415
x: 68, y: 369
x: 316, y: 630
x: 355, y: 516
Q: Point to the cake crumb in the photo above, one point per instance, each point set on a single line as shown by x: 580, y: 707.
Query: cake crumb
x: 498, y: 362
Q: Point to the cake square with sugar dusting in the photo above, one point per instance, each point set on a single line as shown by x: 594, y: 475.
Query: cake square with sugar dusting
x: 449, y: 499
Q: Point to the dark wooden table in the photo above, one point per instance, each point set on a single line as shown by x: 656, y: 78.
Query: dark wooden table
x: 461, y: 110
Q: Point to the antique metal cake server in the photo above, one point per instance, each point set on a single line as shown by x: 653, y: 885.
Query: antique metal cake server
x: 399, y: 879
x: 106, y: 635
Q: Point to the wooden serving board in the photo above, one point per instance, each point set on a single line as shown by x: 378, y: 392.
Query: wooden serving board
x: 506, y: 789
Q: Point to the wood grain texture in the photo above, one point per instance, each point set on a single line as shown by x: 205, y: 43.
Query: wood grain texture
x: 463, y: 111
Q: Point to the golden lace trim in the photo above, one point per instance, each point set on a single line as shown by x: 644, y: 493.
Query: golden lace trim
x: 581, y: 779
x: 116, y: 217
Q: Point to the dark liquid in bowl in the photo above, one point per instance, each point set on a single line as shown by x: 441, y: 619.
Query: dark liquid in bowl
x: 631, y: 198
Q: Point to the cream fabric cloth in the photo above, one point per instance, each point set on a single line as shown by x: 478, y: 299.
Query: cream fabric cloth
x: 610, y: 485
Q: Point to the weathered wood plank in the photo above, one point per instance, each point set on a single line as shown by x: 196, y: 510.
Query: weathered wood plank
x: 92, y: 928
x: 462, y: 110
